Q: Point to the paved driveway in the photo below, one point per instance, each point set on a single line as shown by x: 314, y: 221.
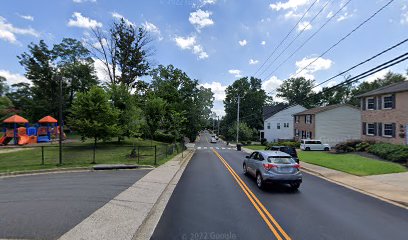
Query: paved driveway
x: 46, y: 206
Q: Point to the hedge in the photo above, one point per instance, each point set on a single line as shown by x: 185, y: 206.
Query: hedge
x: 390, y: 152
x: 286, y: 143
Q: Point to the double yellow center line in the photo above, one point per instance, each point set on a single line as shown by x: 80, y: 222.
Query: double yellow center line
x: 266, y: 216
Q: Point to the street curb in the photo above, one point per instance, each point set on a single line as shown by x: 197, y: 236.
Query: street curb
x: 318, y: 174
x: 126, y: 213
x: 146, y: 230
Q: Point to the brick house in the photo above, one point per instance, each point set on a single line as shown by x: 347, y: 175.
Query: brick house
x: 331, y: 124
x: 384, y: 114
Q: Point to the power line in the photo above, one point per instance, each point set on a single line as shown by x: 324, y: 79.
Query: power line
x: 287, y: 35
x: 310, y: 37
x: 346, y: 36
x: 300, y: 33
x: 365, y: 61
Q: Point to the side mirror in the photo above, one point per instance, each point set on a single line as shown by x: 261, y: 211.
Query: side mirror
x: 246, y: 156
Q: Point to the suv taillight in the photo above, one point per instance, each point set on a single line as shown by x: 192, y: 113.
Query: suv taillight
x: 268, y: 166
x: 297, y: 166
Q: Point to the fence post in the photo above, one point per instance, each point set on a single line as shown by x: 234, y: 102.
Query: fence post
x: 176, y: 148
x: 155, y: 154
x: 42, y: 155
x: 166, y: 150
x: 138, y: 154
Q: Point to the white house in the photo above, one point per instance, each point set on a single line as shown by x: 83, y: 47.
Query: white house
x: 278, y: 121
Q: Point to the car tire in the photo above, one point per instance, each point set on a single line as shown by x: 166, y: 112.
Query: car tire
x: 259, y: 181
x: 294, y: 186
x: 245, y: 170
x: 307, y: 149
x: 326, y: 149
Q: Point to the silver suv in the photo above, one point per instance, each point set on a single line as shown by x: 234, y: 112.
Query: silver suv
x: 273, y: 167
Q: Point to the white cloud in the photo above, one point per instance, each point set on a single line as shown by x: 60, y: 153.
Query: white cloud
x: 218, y: 89
x: 8, y: 31
x: 290, y: 4
x: 235, y: 72
x: 201, y: 19
x: 344, y: 16
x: 13, y: 78
x: 243, y: 42
x: 318, y: 65
x: 80, y: 21
x: 205, y: 2
x: 82, y: 1
x: 119, y: 16
x: 98, y: 44
x: 26, y: 17
x: 330, y: 14
x: 404, y: 15
x: 304, y: 25
x: 263, y: 43
x: 191, y: 44
x: 375, y: 76
x: 270, y: 87
x: 253, y: 62
x: 292, y: 15
x: 150, y: 27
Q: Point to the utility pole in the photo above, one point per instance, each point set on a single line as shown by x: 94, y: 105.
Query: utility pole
x: 60, y: 119
x: 218, y: 121
x: 238, y: 119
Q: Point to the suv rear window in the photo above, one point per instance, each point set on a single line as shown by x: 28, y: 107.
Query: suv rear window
x: 281, y: 160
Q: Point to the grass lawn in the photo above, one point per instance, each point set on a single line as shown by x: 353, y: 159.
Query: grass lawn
x: 80, y: 154
x: 255, y: 147
x: 350, y: 163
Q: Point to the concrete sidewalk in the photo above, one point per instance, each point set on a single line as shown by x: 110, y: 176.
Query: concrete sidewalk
x: 124, y: 215
x: 392, y: 188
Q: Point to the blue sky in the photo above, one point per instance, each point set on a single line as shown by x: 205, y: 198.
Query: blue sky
x: 217, y: 41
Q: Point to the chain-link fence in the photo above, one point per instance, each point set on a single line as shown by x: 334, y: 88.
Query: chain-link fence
x: 47, y: 156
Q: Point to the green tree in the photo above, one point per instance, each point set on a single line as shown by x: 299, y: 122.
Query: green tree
x: 131, y: 118
x: 154, y: 110
x: 21, y: 97
x: 3, y: 86
x: 252, y: 100
x: 93, y: 116
x: 124, y: 52
x: 297, y: 91
x: 245, y: 132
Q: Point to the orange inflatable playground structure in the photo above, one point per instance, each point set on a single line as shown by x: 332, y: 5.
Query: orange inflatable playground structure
x: 17, y: 128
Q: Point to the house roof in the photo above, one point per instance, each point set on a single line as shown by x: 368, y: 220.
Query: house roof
x: 269, y: 111
x: 392, y: 88
x: 316, y: 110
x: 15, y: 119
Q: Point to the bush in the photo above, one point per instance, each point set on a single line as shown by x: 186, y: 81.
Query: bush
x: 390, y: 152
x: 163, y: 137
x: 362, y: 147
x: 286, y: 143
x: 264, y: 141
x: 348, y: 146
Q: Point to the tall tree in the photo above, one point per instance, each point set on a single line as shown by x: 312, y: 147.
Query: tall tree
x: 124, y: 52
x: 252, y: 100
x: 297, y: 91
x: 3, y: 86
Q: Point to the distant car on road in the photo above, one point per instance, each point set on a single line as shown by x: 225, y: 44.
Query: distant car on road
x: 272, y: 167
x: 213, y: 140
x: 313, y: 145
x: 289, y: 150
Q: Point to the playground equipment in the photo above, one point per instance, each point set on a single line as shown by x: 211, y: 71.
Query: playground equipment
x: 19, y: 134
x: 46, y: 130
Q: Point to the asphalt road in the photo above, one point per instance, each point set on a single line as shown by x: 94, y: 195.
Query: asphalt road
x: 208, y: 203
x: 46, y: 206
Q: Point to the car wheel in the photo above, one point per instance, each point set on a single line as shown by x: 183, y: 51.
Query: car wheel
x: 307, y: 149
x: 326, y: 149
x: 259, y: 181
x: 245, y: 170
x: 295, y: 186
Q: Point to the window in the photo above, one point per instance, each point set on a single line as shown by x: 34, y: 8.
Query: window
x: 286, y: 125
x: 308, y: 134
x: 303, y: 134
x: 278, y: 125
x: 297, y: 119
x: 370, y: 128
x: 388, y: 130
x: 269, y: 126
x: 388, y: 102
x: 370, y: 103
x: 308, y: 119
x: 296, y: 132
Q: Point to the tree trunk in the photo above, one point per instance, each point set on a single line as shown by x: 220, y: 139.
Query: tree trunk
x: 94, y: 151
